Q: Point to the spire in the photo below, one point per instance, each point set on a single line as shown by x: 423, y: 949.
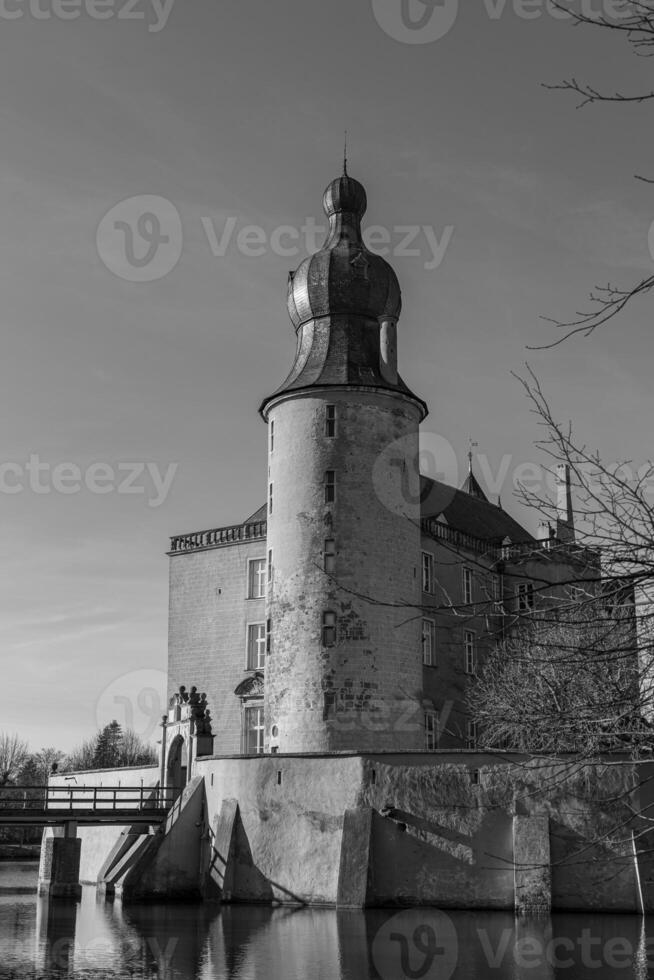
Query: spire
x: 345, y: 155
x: 470, y: 484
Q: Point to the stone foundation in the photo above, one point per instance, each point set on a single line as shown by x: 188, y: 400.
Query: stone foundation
x: 455, y: 830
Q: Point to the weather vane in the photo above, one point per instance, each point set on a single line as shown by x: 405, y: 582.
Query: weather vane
x: 471, y: 445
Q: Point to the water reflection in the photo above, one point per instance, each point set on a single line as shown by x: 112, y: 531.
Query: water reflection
x: 98, y: 939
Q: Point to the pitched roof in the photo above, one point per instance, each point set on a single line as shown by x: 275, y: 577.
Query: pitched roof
x: 469, y: 513
x: 463, y: 511
x: 259, y: 515
x: 471, y: 486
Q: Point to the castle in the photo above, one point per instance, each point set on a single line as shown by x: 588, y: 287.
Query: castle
x: 351, y: 611
x: 324, y: 753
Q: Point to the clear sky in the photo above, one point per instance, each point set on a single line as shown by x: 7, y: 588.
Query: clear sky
x: 234, y: 113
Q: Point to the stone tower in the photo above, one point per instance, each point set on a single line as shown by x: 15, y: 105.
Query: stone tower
x: 344, y: 665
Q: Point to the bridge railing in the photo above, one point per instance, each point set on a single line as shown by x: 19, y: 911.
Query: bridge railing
x: 86, y: 797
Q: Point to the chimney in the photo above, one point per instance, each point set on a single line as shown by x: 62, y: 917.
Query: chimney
x: 545, y: 533
x: 565, y: 522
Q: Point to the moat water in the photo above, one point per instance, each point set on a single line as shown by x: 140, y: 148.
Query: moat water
x: 99, y: 940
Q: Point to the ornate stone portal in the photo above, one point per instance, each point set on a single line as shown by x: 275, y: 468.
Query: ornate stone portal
x: 186, y: 734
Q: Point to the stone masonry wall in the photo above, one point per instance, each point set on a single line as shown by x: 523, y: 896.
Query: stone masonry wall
x: 208, y: 618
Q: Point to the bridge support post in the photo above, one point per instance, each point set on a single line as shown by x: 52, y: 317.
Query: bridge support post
x: 60, y: 862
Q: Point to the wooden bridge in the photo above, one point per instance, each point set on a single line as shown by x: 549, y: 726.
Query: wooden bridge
x: 55, y: 805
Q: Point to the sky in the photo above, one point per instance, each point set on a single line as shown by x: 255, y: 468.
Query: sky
x: 159, y: 164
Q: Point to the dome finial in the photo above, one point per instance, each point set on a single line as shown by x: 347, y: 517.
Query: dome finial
x: 345, y: 155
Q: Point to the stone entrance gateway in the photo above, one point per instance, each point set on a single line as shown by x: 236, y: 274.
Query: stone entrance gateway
x: 186, y: 734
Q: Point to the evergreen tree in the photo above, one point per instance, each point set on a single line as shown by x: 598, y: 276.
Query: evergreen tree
x: 107, y: 747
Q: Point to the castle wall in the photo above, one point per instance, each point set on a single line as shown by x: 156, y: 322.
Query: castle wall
x: 449, y: 829
x: 209, y: 612
x: 443, y: 828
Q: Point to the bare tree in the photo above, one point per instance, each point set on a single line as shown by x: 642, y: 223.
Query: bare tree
x: 134, y: 751
x: 578, y: 673
x: 567, y: 681
x: 633, y: 22
x: 13, y: 756
x: 45, y: 759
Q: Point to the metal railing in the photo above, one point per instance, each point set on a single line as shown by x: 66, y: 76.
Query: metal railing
x: 76, y: 797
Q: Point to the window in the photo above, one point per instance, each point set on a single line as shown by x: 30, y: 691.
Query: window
x: 256, y: 578
x: 253, y: 730
x: 272, y: 435
x: 328, y: 629
x: 270, y: 566
x: 471, y: 735
x: 497, y: 594
x: 467, y: 586
x: 329, y: 554
x: 469, y: 651
x: 328, y: 705
x: 525, y: 596
x: 256, y: 646
x: 330, y: 486
x: 270, y: 498
x: 268, y: 635
x: 330, y: 421
x: 428, y: 642
x: 431, y: 730
x: 427, y: 572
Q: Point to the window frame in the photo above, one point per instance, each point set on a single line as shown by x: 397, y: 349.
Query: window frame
x: 257, y: 730
x: 472, y: 734
x: 328, y: 639
x: 329, y: 555
x: 255, y: 652
x: 427, y: 572
x: 330, y: 486
x: 256, y: 576
x: 525, y: 596
x: 431, y: 633
x: 432, y: 733
x: 330, y: 421
x: 470, y: 652
x: 466, y: 585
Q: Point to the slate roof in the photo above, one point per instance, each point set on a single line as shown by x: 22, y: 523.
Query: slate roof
x: 470, y: 513
x: 462, y: 511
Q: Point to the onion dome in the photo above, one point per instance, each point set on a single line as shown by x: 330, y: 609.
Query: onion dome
x: 344, y: 302
x: 344, y: 277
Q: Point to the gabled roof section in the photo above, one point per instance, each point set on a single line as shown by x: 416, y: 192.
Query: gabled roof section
x: 470, y: 514
x: 259, y: 515
x: 471, y: 487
